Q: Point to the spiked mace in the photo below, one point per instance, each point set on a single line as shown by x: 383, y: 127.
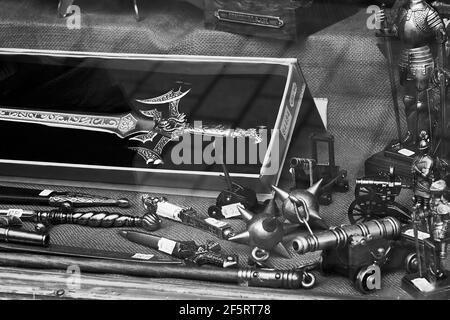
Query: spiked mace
x: 264, y: 233
x: 301, y: 206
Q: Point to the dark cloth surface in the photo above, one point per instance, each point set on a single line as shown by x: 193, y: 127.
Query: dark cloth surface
x: 341, y: 63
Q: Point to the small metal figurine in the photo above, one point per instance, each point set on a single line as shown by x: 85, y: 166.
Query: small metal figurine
x: 420, y: 29
x: 423, y: 174
x: 427, y: 275
x: 265, y: 232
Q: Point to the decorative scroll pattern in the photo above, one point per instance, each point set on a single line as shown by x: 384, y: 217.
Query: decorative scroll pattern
x: 155, y: 114
x: 218, y: 131
x: 144, y: 138
x: 149, y: 156
x: 166, y: 98
x: 57, y: 118
x: 127, y: 123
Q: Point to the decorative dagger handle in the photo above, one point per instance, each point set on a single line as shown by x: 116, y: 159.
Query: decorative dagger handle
x: 149, y: 221
x: 215, y: 259
x: 85, y: 200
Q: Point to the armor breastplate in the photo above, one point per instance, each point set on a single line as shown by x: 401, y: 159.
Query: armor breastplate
x: 422, y: 181
x: 417, y: 24
x: 422, y: 163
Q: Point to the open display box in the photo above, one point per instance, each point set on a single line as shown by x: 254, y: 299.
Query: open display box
x: 246, y: 93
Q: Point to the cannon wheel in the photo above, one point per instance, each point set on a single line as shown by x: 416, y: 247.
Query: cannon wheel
x: 366, y: 208
x: 401, y: 213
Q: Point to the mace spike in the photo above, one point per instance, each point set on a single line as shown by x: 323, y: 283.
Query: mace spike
x: 243, y: 238
x: 272, y: 208
x: 280, y: 193
x: 246, y: 215
x: 315, y: 188
x: 281, y: 249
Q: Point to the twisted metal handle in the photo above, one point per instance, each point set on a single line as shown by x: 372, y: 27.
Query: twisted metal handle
x: 93, y: 219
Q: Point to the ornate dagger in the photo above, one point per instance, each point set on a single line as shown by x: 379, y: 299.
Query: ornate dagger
x: 149, y: 221
x: 187, y: 216
x: 187, y: 250
x: 63, y: 200
x: 143, y: 125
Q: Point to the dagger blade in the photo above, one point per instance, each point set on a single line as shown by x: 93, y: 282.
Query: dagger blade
x: 149, y: 240
x: 27, y: 196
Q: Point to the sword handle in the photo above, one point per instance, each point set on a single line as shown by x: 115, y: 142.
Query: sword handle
x: 149, y: 221
x: 85, y: 200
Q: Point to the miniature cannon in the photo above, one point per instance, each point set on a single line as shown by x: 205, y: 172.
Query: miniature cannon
x: 375, y: 199
x: 306, y: 172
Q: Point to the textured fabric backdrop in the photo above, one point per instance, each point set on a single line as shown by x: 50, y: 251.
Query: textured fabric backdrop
x: 341, y: 63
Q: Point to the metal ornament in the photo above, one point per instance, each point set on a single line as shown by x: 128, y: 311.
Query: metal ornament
x: 142, y: 125
x: 206, y: 254
x: 301, y: 206
x: 264, y: 233
x: 150, y: 221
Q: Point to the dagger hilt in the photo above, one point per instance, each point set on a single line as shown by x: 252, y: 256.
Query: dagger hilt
x: 215, y: 259
x: 94, y: 219
x: 73, y: 199
x: 209, y: 253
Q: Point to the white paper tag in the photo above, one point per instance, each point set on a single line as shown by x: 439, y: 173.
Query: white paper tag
x: 286, y: 123
x: 168, y: 210
x: 142, y: 256
x: 45, y: 193
x: 15, y: 212
x: 423, y: 285
x: 421, y: 235
x: 231, y: 210
x: 293, y: 94
x: 406, y: 152
x: 166, y: 245
x: 216, y: 223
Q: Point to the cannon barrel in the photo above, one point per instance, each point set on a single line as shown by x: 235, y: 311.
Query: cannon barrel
x: 335, y: 238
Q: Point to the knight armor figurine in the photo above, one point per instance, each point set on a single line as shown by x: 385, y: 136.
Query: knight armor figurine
x: 420, y: 30
x: 422, y: 170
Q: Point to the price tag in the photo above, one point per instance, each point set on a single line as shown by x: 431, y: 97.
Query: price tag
x: 168, y: 210
x: 231, y: 210
x: 421, y: 235
x: 142, y: 256
x: 423, y: 285
x: 15, y: 212
x: 166, y: 245
x: 216, y: 223
x: 45, y: 193
x: 406, y: 152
